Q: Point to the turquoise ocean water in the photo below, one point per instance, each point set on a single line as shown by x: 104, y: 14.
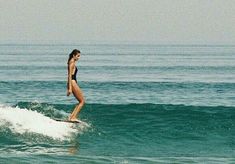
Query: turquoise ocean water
x: 144, y: 104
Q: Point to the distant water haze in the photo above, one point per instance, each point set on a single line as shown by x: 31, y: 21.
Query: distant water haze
x: 191, y: 75
x: 148, y: 21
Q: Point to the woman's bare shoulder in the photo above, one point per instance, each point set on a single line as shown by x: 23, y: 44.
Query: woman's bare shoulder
x: 71, y: 64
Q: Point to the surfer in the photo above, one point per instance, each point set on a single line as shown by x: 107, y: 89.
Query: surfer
x: 72, y: 85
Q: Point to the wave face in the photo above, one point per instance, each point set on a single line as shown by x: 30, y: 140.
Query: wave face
x: 131, y: 130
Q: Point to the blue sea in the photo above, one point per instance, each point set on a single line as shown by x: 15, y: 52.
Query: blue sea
x: 144, y: 104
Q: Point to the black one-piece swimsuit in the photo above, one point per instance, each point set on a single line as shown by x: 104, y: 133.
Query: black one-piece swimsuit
x: 74, y: 76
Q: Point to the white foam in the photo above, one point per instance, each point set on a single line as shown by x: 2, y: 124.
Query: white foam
x: 23, y: 120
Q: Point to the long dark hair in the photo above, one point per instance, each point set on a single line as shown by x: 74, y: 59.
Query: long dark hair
x: 74, y: 52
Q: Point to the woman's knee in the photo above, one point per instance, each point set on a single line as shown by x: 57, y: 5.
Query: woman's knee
x: 82, y: 102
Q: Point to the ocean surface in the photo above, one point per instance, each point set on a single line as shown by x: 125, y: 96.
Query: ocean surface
x: 144, y: 104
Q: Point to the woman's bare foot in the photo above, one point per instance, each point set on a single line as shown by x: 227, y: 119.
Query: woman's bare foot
x: 70, y: 118
x: 74, y: 120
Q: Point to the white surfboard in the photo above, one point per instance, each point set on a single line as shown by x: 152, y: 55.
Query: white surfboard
x: 77, y: 122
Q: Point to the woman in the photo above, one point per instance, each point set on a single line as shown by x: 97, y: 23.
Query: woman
x: 72, y: 86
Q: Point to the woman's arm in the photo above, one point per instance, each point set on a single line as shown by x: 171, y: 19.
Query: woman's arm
x: 71, y: 66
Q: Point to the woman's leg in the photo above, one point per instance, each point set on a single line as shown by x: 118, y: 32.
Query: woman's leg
x: 77, y: 92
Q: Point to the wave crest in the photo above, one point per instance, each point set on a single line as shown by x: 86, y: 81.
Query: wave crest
x: 22, y: 121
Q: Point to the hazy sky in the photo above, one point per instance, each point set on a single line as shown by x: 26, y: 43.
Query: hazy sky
x: 150, y: 21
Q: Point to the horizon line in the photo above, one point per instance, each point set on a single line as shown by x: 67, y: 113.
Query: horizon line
x: 113, y: 43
